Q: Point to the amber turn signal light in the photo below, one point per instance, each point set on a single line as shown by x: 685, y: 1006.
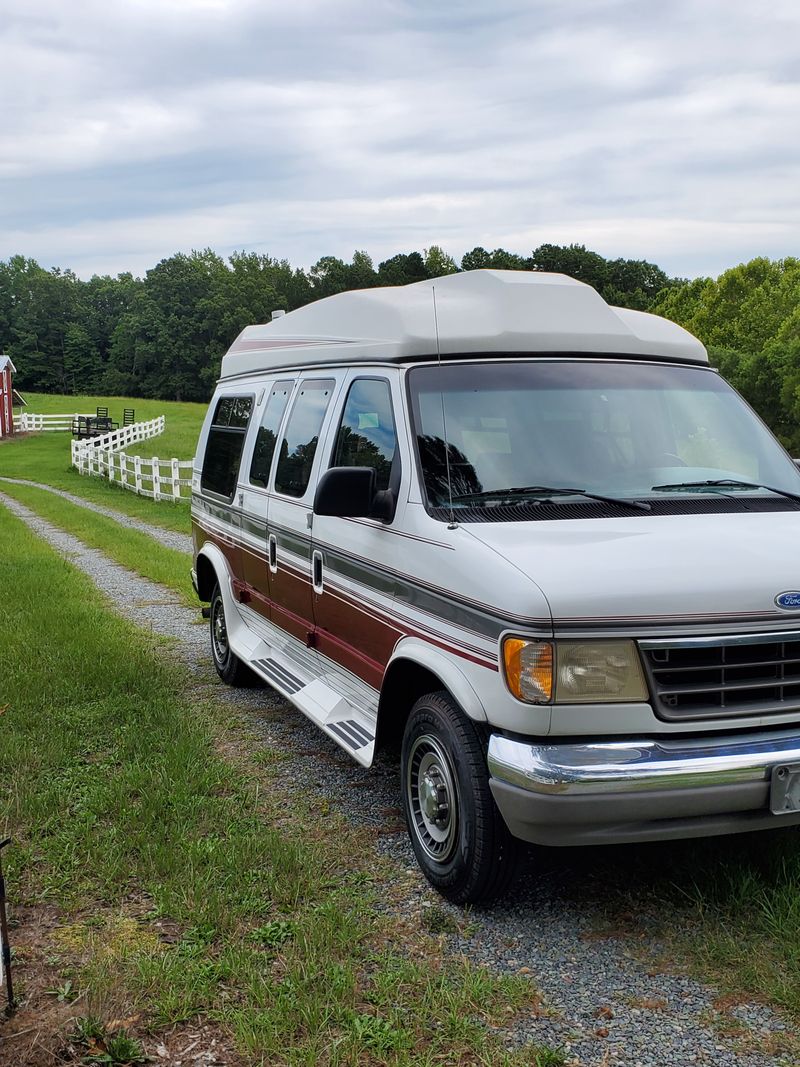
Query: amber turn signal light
x: 529, y: 669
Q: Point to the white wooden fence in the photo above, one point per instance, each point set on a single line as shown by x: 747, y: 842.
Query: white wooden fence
x: 28, y: 422
x: 160, y: 479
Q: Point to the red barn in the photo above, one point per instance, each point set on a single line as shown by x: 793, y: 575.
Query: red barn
x: 6, y: 396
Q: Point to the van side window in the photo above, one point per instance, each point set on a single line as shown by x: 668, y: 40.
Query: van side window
x: 268, y: 433
x: 225, y: 443
x: 300, y: 439
x: 367, y: 435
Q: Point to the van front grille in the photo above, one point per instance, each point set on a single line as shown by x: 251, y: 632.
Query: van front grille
x: 725, y: 677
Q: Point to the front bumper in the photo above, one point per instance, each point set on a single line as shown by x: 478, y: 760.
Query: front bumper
x: 608, y: 792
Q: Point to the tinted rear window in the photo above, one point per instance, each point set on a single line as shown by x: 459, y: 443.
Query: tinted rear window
x: 225, y: 444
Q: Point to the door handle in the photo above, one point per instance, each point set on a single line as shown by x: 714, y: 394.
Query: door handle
x: 273, y: 553
x: 316, y: 572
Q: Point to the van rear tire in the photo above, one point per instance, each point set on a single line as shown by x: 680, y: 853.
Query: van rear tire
x: 228, y: 666
x: 458, y: 835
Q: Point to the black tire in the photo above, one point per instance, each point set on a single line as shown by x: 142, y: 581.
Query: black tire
x: 458, y: 835
x: 229, y: 667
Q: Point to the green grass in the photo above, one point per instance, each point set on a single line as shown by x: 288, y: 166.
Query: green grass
x: 128, y: 820
x: 178, y: 441
x: 725, y: 909
x: 130, y: 548
x: 45, y: 458
x: 744, y: 899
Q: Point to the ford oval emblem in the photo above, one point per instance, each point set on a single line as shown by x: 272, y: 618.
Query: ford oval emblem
x: 789, y: 601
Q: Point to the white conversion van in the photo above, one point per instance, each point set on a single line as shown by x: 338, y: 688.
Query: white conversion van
x: 533, y: 540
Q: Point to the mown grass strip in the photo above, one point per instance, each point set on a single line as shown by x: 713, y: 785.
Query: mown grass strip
x: 45, y: 458
x: 125, y: 816
x: 130, y: 548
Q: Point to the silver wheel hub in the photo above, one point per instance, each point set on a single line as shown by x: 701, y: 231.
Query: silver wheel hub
x: 220, y: 633
x: 433, y: 798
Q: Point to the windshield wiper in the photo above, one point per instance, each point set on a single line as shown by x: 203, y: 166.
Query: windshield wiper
x: 726, y: 483
x: 549, y: 490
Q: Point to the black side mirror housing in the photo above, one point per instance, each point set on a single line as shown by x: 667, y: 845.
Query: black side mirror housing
x: 346, y: 492
x: 383, y: 505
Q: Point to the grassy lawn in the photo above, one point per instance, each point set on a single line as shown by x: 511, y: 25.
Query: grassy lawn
x: 180, y: 890
x: 45, y: 457
x: 178, y: 441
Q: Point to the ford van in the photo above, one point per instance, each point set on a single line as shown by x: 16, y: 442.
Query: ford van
x: 533, y: 541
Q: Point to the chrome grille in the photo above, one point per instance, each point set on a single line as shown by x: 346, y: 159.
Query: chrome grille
x: 724, y: 677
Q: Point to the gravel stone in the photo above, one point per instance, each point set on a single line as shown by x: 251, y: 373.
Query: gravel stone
x: 601, y: 1005
x: 168, y: 538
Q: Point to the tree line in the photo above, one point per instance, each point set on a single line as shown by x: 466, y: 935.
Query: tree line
x: 749, y: 319
x: 164, y: 335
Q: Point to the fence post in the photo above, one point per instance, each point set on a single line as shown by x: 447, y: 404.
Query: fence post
x: 123, y: 469
x: 137, y: 469
x: 156, y: 478
x: 176, y: 480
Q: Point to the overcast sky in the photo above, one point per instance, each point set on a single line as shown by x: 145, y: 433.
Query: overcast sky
x: 132, y: 129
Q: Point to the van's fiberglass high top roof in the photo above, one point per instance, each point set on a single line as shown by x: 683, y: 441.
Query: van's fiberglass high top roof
x: 478, y: 312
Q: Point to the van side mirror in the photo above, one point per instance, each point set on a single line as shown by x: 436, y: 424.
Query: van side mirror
x: 346, y: 492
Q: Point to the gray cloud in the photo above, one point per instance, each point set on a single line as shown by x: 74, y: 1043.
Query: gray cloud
x: 136, y: 129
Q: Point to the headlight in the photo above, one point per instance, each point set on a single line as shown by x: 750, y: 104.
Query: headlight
x: 573, y: 672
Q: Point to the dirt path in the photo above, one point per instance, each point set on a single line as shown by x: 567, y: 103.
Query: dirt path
x: 604, y: 1006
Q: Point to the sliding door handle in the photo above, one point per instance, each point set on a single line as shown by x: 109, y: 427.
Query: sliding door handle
x: 316, y: 571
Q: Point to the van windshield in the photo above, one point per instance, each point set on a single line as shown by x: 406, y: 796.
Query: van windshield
x: 621, y: 429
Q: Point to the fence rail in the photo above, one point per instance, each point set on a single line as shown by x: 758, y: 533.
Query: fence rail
x: 161, y: 479
x: 28, y: 422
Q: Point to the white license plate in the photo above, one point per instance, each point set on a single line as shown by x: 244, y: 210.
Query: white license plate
x: 784, y: 793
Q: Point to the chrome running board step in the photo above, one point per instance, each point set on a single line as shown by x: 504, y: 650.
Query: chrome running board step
x: 348, y: 726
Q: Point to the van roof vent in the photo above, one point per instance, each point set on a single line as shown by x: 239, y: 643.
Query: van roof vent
x: 278, y: 314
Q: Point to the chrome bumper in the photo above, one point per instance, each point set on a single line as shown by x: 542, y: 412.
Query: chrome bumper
x: 621, y: 767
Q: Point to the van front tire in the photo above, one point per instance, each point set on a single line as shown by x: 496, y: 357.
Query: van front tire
x: 228, y: 666
x: 458, y: 835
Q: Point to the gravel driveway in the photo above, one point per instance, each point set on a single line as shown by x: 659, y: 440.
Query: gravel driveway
x: 604, y: 1006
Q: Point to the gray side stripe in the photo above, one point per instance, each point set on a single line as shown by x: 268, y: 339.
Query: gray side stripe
x: 300, y: 546
x: 255, y: 527
x: 439, y: 605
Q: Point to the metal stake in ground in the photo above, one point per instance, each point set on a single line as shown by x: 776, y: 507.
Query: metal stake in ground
x: 5, y: 948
